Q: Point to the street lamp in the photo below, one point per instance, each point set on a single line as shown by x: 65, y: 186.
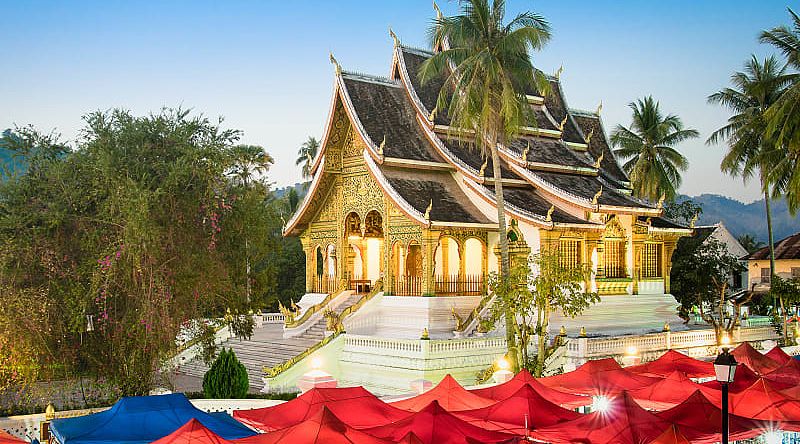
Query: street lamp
x: 725, y: 368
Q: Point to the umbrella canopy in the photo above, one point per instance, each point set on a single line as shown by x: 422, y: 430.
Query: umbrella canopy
x: 747, y: 355
x: 778, y: 355
x: 743, y: 378
x: 763, y: 400
x: 322, y: 428
x: 434, y: 425
x: 671, y: 436
x: 523, y: 411
x: 673, y: 360
x: 449, y: 394
x: 354, y: 405
x: 623, y: 422
x: 599, y: 377
x: 193, y: 432
x: 787, y: 374
x: 7, y: 438
x: 700, y: 419
x: 509, y: 388
x: 671, y: 391
x: 142, y: 419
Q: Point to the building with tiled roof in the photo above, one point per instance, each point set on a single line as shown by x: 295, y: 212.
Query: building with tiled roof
x: 787, y: 263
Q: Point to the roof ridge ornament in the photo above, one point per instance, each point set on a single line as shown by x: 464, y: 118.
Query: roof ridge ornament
x: 558, y: 72
x: 439, y: 14
x: 549, y: 217
x: 596, y: 197
x: 599, y: 108
x: 694, y: 220
x: 482, y: 172
x: 381, y: 146
x: 661, y: 200
x: 563, y: 122
x: 599, y: 160
x: 394, y: 37
x: 589, y: 136
x: 526, y: 151
x: 336, y: 64
x: 427, y: 215
x: 432, y: 114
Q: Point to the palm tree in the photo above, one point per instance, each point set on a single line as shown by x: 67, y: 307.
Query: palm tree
x: 488, y: 70
x: 306, y: 154
x: 653, y: 164
x: 248, y: 160
x: 754, y: 90
x: 783, y: 119
x: 750, y: 243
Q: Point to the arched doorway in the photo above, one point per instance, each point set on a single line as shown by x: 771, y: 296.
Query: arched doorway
x: 447, y: 266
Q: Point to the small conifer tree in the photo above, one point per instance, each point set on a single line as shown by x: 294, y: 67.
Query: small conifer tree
x: 227, y: 378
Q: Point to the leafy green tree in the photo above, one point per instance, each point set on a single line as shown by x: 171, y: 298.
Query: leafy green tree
x: 788, y: 292
x: 306, y: 154
x: 488, y: 71
x: 750, y: 243
x: 684, y: 211
x: 227, y: 378
x: 754, y: 90
x: 700, y: 280
x: 648, y: 146
x: 534, y: 295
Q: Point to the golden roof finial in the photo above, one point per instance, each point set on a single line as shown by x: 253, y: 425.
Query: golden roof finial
x: 560, y: 69
x: 694, y: 220
x: 381, y: 146
x: 438, y: 11
x: 335, y: 64
x: 562, y: 331
x: 582, y: 333
x: 599, y: 160
x: 433, y: 112
x: 482, y: 172
x: 428, y: 211
x: 526, y: 151
x: 563, y: 123
x: 661, y: 200
x: 589, y: 136
x: 549, y: 217
x: 597, y: 196
x: 599, y: 108
x: 394, y: 37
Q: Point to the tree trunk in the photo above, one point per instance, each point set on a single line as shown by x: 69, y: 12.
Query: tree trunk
x: 542, y: 342
x: 505, y: 263
x: 771, y: 241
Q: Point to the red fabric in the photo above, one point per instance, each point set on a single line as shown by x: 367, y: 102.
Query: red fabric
x: 322, y: 428
x: 7, y: 438
x: 354, y: 405
x: 700, y: 419
x: 193, y: 432
x: 747, y: 355
x: 624, y: 422
x: 449, y: 394
x: 778, y: 355
x: 671, y: 436
x: 673, y: 360
x: 435, y: 425
x: 523, y: 411
x: 743, y: 378
x: 523, y: 378
x: 671, y: 391
x: 600, y: 377
x: 763, y: 400
x: 787, y: 374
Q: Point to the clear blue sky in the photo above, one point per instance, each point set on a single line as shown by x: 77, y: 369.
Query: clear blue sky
x: 263, y: 65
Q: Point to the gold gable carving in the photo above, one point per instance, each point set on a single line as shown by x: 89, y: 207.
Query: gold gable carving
x: 614, y: 228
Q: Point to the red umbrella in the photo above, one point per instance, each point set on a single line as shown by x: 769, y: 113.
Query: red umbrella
x: 507, y: 389
x: 787, y: 374
x: 354, y: 405
x: 673, y: 360
x: 671, y: 391
x: 671, y: 436
x: 623, y: 422
x: 747, y: 355
x: 322, y: 428
x: 763, y: 400
x: 449, y: 394
x: 778, y: 355
x: 600, y: 377
x: 744, y: 377
x: 700, y: 419
x: 193, y: 432
x: 7, y: 438
x: 435, y: 425
x: 523, y: 411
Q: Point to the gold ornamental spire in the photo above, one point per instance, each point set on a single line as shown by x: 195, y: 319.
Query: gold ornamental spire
x: 335, y: 64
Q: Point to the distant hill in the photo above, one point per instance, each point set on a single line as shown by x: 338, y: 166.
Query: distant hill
x: 301, y: 191
x: 741, y: 218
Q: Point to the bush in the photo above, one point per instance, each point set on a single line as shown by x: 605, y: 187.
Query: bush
x: 227, y: 378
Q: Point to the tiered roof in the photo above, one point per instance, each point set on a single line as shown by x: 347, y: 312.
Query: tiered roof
x: 559, y: 168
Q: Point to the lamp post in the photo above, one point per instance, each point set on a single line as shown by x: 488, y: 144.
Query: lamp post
x: 725, y: 367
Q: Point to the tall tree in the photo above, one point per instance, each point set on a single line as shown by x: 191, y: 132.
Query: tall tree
x: 783, y: 118
x: 752, y: 92
x: 306, y: 154
x: 750, y: 243
x: 488, y: 70
x: 249, y: 161
x: 653, y: 163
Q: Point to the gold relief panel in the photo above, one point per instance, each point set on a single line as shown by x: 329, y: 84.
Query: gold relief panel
x: 361, y: 194
x: 614, y: 228
x: 352, y: 144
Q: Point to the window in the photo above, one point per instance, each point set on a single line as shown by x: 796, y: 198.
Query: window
x: 795, y: 272
x: 651, y: 260
x: 614, y: 258
x: 765, y: 275
x: 569, y: 253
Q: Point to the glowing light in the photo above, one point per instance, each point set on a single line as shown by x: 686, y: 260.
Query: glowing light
x: 773, y: 437
x: 725, y: 340
x: 316, y: 363
x: 631, y: 351
x: 503, y: 364
x: 600, y: 404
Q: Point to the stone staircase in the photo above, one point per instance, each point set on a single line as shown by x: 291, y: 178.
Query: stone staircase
x: 268, y: 347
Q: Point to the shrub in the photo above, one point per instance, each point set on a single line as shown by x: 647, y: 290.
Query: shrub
x: 227, y: 378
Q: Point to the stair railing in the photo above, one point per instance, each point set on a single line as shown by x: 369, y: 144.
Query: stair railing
x: 292, y: 322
